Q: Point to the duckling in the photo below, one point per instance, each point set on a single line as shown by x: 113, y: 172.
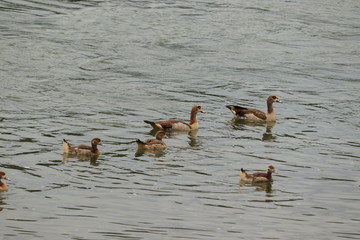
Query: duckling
x: 3, y: 186
x: 258, y: 176
x: 254, y: 114
x: 179, y: 125
x: 153, y: 144
x: 83, y: 149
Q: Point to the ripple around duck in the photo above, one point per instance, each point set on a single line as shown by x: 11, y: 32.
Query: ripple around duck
x: 333, y: 179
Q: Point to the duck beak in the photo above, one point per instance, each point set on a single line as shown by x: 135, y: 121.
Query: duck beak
x: 101, y: 143
x: 279, y: 101
x: 6, y: 178
x: 202, y: 111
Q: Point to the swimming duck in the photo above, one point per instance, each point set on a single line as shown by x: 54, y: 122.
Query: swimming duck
x: 153, y: 144
x: 83, y: 149
x: 258, y: 176
x: 254, y: 114
x: 179, y: 125
x: 3, y: 186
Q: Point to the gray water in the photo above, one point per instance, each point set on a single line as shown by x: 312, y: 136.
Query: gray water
x: 84, y: 69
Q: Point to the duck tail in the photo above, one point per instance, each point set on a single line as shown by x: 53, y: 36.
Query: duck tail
x: 138, y: 141
x: 231, y: 107
x: 141, y: 145
x: 66, y: 145
x: 243, y: 175
x: 150, y: 122
x: 235, y: 107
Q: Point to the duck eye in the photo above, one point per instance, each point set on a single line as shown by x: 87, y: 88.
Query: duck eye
x: 274, y: 97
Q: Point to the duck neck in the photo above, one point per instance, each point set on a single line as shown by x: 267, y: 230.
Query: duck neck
x: 270, y: 107
x: 193, y: 116
x: 94, y: 148
x: 269, y: 175
x: 3, y: 186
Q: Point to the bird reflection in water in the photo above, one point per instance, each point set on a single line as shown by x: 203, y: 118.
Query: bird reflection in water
x: 93, y: 159
x: 152, y: 153
x: 263, y: 186
x: 193, y: 142
x: 2, y: 202
x: 267, y: 135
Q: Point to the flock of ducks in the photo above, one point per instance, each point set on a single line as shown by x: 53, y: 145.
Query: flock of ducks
x: 157, y: 144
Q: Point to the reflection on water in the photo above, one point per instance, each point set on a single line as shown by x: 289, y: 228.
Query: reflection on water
x: 93, y: 159
x: 193, y: 142
x: 265, y: 186
x: 243, y: 125
x: 268, y: 136
x: 2, y: 200
x: 150, y: 152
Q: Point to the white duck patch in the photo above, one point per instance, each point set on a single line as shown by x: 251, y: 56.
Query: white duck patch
x: 158, y: 126
x: 181, y: 126
x: 252, y: 117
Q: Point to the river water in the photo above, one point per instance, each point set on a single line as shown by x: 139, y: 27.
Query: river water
x: 84, y: 69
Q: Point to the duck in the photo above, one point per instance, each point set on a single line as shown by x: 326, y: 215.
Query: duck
x: 153, y: 144
x: 252, y: 114
x: 179, y: 125
x: 3, y: 186
x: 257, y: 177
x: 83, y: 149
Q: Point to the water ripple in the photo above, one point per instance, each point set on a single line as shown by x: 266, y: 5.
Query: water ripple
x: 84, y: 69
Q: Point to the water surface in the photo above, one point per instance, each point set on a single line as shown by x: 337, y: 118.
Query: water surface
x: 84, y: 69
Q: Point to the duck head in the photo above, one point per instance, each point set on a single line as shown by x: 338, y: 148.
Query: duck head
x: 273, y: 98
x: 160, y: 135
x: 96, y: 141
x: 271, y: 169
x: 3, y: 176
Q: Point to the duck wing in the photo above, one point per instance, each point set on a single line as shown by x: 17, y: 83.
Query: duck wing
x: 260, y: 174
x: 153, y: 142
x: 243, y: 112
x: 261, y: 177
x: 161, y: 124
x: 81, y: 149
x: 171, y: 123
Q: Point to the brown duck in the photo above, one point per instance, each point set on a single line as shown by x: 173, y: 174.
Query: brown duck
x: 179, y: 125
x: 254, y: 114
x: 83, y: 149
x: 258, y: 176
x: 153, y: 144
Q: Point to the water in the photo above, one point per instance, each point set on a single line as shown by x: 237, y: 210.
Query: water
x: 84, y: 69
